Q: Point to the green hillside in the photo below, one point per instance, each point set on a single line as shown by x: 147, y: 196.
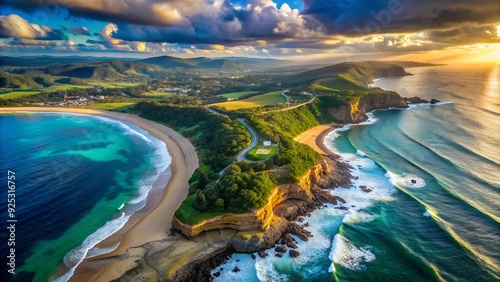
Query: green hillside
x: 360, y: 74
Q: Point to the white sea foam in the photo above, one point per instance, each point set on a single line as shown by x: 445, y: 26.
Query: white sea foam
x: 428, y: 213
x: 360, y: 153
x: 346, y: 254
x: 371, y: 119
x: 96, y: 251
x: 76, y: 256
x: 406, y: 180
x: 413, y: 106
x: 244, y: 262
x: 354, y: 216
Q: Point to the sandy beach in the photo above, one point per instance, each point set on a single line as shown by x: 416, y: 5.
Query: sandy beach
x: 315, y: 137
x: 155, y: 219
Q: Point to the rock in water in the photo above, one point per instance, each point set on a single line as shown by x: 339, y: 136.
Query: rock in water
x: 280, y: 249
x: 286, y: 239
x: 434, y: 101
x: 253, y: 256
x: 279, y: 255
x: 294, y: 253
x: 263, y: 254
x: 236, y: 269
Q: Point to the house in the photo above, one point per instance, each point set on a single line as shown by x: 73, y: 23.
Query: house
x: 266, y: 143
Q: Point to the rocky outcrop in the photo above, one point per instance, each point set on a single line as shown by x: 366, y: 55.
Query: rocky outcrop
x: 356, y: 110
x: 261, y: 219
x: 418, y: 100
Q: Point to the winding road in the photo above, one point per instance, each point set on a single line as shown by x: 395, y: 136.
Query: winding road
x: 255, y: 141
x: 253, y: 133
x: 292, y: 107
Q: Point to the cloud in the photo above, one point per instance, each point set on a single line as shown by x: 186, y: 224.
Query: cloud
x: 144, y: 12
x: 80, y: 30
x: 262, y: 26
x: 358, y: 17
x: 15, y: 26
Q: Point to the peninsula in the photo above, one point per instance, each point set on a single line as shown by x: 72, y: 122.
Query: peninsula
x: 260, y: 163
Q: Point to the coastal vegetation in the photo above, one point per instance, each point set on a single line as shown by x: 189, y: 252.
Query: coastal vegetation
x: 242, y: 187
x: 217, y: 137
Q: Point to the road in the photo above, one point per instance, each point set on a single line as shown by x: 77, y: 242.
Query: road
x: 253, y: 133
x: 293, y: 107
x: 255, y: 141
x: 286, y: 96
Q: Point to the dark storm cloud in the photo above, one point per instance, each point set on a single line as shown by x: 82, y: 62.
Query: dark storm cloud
x: 465, y: 35
x: 447, y: 22
x: 358, y: 17
x: 92, y: 41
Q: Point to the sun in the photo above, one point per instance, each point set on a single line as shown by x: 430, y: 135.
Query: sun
x: 498, y: 30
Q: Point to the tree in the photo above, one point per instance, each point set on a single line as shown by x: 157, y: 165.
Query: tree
x: 200, y: 202
x: 202, y: 180
x: 219, y: 204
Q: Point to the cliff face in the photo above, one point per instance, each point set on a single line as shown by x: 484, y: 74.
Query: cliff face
x: 356, y: 110
x: 262, y: 218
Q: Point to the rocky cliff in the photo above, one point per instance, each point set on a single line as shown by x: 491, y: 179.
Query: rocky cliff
x: 357, y: 108
x: 260, y: 219
x: 178, y: 258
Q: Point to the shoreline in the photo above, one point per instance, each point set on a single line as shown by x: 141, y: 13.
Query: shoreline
x: 154, y: 220
x: 315, y: 137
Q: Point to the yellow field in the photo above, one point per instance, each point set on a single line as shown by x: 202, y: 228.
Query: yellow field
x: 270, y: 98
x: 113, y: 84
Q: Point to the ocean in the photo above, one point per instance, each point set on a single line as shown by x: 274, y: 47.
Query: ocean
x: 434, y: 212
x: 78, y: 179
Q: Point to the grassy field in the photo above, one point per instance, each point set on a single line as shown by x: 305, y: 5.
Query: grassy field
x: 16, y: 94
x: 195, y: 133
x: 58, y: 87
x: 110, y: 106
x: 158, y: 93
x: 270, y: 98
x: 340, y: 84
x: 113, y: 84
x: 236, y: 95
x: 252, y: 154
x: 299, y: 97
x: 187, y: 214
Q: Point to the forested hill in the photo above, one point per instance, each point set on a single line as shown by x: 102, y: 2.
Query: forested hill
x: 357, y: 73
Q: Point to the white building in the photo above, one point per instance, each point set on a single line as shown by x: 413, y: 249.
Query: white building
x: 266, y: 143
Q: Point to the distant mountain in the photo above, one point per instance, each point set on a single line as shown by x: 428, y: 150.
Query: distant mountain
x: 200, y: 63
x: 171, y: 62
x: 37, y: 61
x: 356, y: 73
x: 107, y: 70
x: 223, y: 64
x: 261, y: 61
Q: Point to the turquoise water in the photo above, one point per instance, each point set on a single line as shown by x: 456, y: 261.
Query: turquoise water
x: 442, y: 226
x: 78, y: 180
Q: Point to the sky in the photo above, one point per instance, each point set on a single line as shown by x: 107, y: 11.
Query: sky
x: 313, y: 30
